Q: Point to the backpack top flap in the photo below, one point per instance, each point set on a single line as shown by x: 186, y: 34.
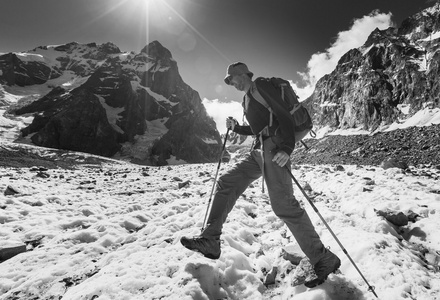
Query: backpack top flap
x: 287, y: 93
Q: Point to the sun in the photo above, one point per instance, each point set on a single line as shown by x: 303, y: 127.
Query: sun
x: 133, y: 10
x: 157, y: 19
x: 137, y: 16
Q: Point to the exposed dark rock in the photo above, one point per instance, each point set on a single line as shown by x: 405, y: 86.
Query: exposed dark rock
x: 10, y: 190
x: 10, y: 251
x: 396, y: 218
x: 111, y: 110
x: 270, y: 276
x: 411, y: 146
x: 16, y: 71
x: 394, y: 163
x: 395, y: 68
x: 77, y: 122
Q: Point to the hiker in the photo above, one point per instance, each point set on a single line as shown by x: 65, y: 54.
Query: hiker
x: 271, y: 153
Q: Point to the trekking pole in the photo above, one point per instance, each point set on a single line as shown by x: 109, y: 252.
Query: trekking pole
x: 215, y: 179
x: 305, y: 145
x: 313, y: 135
x: 370, y: 288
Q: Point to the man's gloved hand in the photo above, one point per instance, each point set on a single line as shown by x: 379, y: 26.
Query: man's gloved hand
x: 230, y: 123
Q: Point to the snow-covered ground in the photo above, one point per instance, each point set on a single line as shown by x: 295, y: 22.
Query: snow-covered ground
x: 112, y: 232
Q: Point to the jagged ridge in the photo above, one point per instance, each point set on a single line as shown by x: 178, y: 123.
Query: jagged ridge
x: 392, y: 76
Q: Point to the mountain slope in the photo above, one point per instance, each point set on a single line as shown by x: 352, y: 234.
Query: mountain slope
x: 391, y: 77
x: 96, y: 99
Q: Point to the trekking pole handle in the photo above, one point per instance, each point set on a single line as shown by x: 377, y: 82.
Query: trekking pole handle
x: 231, y: 119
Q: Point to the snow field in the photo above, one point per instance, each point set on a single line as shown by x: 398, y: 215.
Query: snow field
x: 113, y: 231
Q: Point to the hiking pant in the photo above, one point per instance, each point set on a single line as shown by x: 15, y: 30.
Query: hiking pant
x: 279, y: 185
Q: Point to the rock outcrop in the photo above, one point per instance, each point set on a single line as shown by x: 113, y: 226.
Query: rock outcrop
x: 392, y: 76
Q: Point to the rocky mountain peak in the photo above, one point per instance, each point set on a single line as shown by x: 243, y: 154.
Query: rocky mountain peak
x: 65, y: 47
x: 378, y: 36
x: 156, y: 50
x: 394, y: 75
x: 109, y: 48
x: 422, y: 24
x: 105, y: 102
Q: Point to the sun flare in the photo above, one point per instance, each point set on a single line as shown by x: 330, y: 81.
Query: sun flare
x: 157, y: 19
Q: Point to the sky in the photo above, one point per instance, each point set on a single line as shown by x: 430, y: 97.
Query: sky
x: 297, y: 40
x: 275, y: 38
x: 112, y: 231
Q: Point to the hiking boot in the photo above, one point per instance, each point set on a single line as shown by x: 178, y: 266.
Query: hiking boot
x: 329, y: 263
x: 210, y: 248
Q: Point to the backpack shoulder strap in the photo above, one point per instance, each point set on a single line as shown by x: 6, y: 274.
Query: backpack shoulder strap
x: 260, y: 99
x: 257, y: 96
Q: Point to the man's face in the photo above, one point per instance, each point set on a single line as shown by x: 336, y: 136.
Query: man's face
x: 238, y: 81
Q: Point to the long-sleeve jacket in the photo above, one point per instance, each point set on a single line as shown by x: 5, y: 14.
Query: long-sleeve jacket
x: 258, y: 115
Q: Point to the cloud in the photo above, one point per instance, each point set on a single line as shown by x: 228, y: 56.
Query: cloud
x: 220, y: 111
x: 319, y: 65
x: 324, y: 63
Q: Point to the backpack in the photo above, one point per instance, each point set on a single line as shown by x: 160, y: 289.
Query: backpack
x: 302, y: 122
